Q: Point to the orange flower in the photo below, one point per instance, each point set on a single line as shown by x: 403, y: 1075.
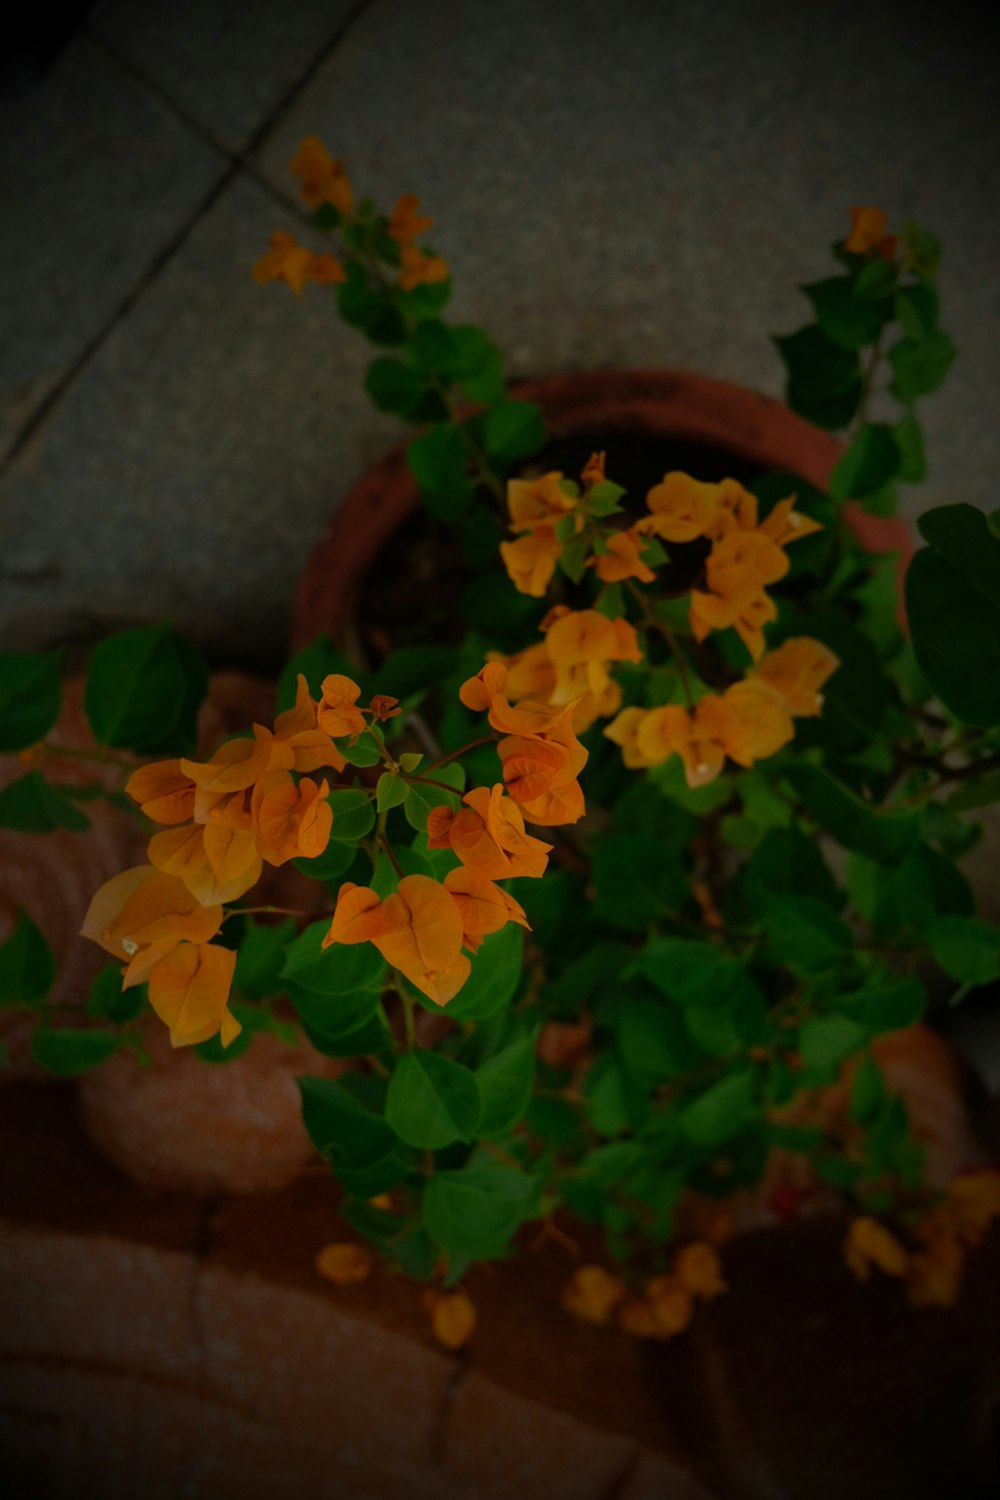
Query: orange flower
x: 189, y: 990
x: 297, y: 728
x: 453, y: 1318
x: 217, y: 863
x: 531, y: 560
x: 756, y: 723
x: 581, y: 644
x: 593, y: 471
x: 406, y: 222
x: 796, y: 671
x: 291, y: 821
x: 535, y: 507
x: 483, y: 906
x: 418, y: 930
x: 530, y: 674
x: 699, y: 1270
x: 322, y: 177
x: 488, y: 835
x: 592, y: 1293
x: 238, y: 764
x: 934, y: 1274
x: 417, y: 268
x: 748, y: 612
x: 345, y: 1263
x: 336, y: 714
x: 543, y: 501
x: 163, y: 791
x: 869, y: 1244
x: 671, y: 1304
x: 972, y: 1202
x: 681, y: 508
x: 868, y: 236
x: 623, y: 558
x: 141, y: 914
x: 292, y: 263
x: 748, y: 723
x: 785, y: 524
x: 638, y: 1318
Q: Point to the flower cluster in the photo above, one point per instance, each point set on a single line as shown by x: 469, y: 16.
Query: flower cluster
x: 416, y: 266
x: 666, y: 1306
x: 254, y: 801
x: 749, y: 721
x: 932, y: 1271
x: 572, y: 664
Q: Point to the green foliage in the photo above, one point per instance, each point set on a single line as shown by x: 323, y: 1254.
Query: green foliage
x: 107, y: 1000
x: 69, y: 1052
x: 824, y: 379
x: 966, y: 949
x: 869, y: 463
x: 438, y: 462
x: 475, y: 1210
x: 32, y: 805
x: 432, y: 1101
x: 144, y: 688
x: 512, y: 430
x: 30, y: 695
x: 353, y: 815
x: 27, y: 965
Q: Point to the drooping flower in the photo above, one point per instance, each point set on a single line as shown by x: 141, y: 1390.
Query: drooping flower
x: 163, y: 791
x: 298, y: 728
x: 623, y: 559
x: 699, y: 1270
x: 868, y: 1244
x: 345, y: 1263
x: 189, y: 990
x: 592, y: 1294
x: 142, y: 914
x: 453, y: 1318
x: 291, y: 821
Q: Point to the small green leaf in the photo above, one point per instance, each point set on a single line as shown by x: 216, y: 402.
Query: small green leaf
x: 69, y: 1052
x: 825, y: 1041
x: 497, y: 971
x: 917, y: 310
x: 721, y: 1111
x: 505, y: 1082
x: 30, y: 695
x: 396, y: 387
x: 438, y: 461
x: 953, y: 606
x: 886, y: 1007
x: 885, y: 836
x: 107, y: 1000
x: 966, y: 949
x: 476, y: 1210
x: 32, y: 805
x: 910, y: 442
x: 338, y: 970
x: 920, y: 365
x: 27, y: 965
x: 341, y: 1128
x: 432, y: 1101
x: 363, y: 752
x: 848, y: 315
x: 806, y: 935
x: 391, y: 791
x: 512, y: 430
x: 422, y: 798
x: 353, y: 814
x: 144, y: 688
x: 260, y: 959
x: 869, y: 463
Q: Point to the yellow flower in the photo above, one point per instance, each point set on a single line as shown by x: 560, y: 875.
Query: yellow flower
x: 868, y: 1244
x: 344, y: 1263
x: 406, y: 222
x: 292, y: 263
x: 681, y: 508
x: 671, y: 1304
x: 699, y: 1270
x: 416, y: 268
x: 796, y: 671
x: 592, y: 1294
x: 868, y: 236
x: 453, y: 1318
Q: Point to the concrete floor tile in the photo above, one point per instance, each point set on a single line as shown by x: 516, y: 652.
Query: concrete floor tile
x: 96, y: 178
x: 189, y: 469
x: 227, y: 63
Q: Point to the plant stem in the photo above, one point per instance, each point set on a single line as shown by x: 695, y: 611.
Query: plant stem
x: 652, y: 623
x: 104, y: 757
x: 486, y: 739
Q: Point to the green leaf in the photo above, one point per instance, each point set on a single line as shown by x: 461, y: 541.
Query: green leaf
x: 920, y: 365
x: 870, y: 462
x: 922, y: 251
x: 363, y: 752
x: 476, y: 1210
x: 31, y: 805
x: 413, y: 669
x: 636, y: 881
x: 505, y: 1082
x: 497, y: 971
x: 30, y: 695
x: 438, y: 461
x: 966, y: 949
x: 321, y: 658
x: 886, y: 1007
x: 973, y: 794
x: 340, y: 969
x: 825, y: 1041
x: 721, y: 1111
x: 652, y: 1040
x: 69, y: 1052
x: 423, y: 798
x: 806, y: 935
x: 461, y: 354
x: 614, y: 1100
x: 353, y: 814
x: 391, y: 791
x: 868, y: 1091
x: 144, y: 688
x: 342, y: 1129
x: 786, y: 862
x: 27, y: 965
x: 910, y: 442
x: 396, y: 387
x: 885, y: 836
x: 824, y: 383
x: 512, y: 430
x: 845, y: 313
x: 432, y: 1101
x: 917, y: 310
x: 335, y: 861
x: 107, y: 1000
x: 362, y: 307
x: 953, y: 606
x: 260, y: 959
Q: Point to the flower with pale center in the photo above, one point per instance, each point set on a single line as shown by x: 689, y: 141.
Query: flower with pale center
x: 581, y: 645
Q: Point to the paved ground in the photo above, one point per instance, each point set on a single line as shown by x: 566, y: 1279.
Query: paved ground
x: 626, y: 183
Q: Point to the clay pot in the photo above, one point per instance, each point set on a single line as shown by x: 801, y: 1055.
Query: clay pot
x: 181, y: 1124
x: 676, y: 406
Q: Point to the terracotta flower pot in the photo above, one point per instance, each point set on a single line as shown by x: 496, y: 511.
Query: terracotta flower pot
x: 676, y: 406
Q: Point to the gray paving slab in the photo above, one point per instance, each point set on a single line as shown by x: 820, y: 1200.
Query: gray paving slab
x: 639, y: 183
x: 96, y: 178
x: 227, y: 63
x: 189, y: 468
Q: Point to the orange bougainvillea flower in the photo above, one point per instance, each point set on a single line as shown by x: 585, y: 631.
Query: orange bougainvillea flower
x: 868, y: 1244
x: 297, y: 728
x: 487, y: 834
x: 483, y: 906
x: 681, y: 508
x: 581, y: 644
x: 593, y: 471
x: 672, y: 1306
x: 868, y: 236
x: 535, y: 507
x: 239, y: 763
x: 699, y: 1271
x: 345, y: 1263
x: 747, y: 612
x: 337, y: 715
x: 217, y: 863
x: 291, y: 821
x: 785, y: 524
x: 453, y: 1318
x: 797, y: 671
x: 406, y: 222
x: 541, y: 501
x: 141, y: 914
x: 530, y: 674
x: 592, y: 1293
x: 322, y: 177
x: 189, y: 990
x: 971, y: 1203
x: 755, y: 723
x: 163, y: 791
x: 418, y: 930
x: 638, y: 1318
x: 417, y: 268
x: 623, y: 558
x: 531, y: 560
x: 292, y: 263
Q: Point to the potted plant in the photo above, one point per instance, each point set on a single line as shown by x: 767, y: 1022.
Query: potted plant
x: 635, y: 813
